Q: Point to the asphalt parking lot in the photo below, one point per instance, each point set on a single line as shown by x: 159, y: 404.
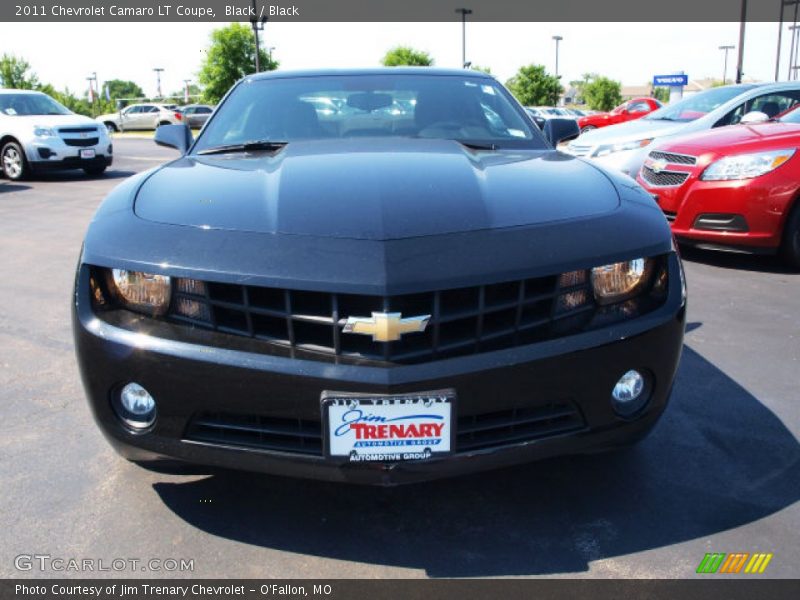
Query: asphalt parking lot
x: 720, y: 473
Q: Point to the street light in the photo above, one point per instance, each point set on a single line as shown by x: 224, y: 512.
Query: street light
x: 258, y: 25
x: 269, y: 53
x: 558, y: 39
x: 464, y: 12
x: 158, y: 71
x: 186, y: 90
x: 725, y: 67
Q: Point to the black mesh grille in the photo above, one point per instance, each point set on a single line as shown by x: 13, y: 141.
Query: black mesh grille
x: 473, y: 432
x: 88, y: 129
x: 677, y: 159
x: 81, y: 142
x: 462, y: 321
x: 663, y: 178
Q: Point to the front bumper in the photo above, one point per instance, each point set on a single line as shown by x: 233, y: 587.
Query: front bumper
x: 54, y: 153
x: 188, y: 379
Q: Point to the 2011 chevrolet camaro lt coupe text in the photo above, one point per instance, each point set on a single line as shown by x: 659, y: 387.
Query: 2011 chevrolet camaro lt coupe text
x: 377, y: 276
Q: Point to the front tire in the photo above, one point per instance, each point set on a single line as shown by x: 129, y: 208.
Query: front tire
x: 110, y: 127
x: 790, y: 246
x: 13, y: 162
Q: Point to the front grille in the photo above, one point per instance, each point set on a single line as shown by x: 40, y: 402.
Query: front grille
x: 462, y: 321
x: 298, y: 436
x: 81, y: 141
x: 663, y: 178
x: 677, y: 159
x: 88, y: 129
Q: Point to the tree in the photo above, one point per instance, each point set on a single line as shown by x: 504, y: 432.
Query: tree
x: 405, y: 55
x: 486, y: 70
x: 118, y: 88
x: 230, y: 56
x: 580, y: 84
x: 533, y: 86
x: 602, y: 93
x: 15, y: 73
x: 661, y: 93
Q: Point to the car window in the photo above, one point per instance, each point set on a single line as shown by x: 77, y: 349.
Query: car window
x: 203, y: 110
x: 30, y: 104
x: 771, y: 104
x: 189, y: 110
x: 638, y: 107
x: 152, y: 109
x: 465, y: 108
x: 697, y: 105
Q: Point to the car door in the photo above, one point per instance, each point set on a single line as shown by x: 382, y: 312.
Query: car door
x: 128, y: 117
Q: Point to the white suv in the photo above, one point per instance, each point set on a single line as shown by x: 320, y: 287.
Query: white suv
x: 37, y: 133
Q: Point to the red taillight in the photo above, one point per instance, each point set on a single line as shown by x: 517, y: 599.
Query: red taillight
x: 178, y: 116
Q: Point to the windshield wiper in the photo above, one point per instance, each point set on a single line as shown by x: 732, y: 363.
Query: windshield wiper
x: 245, y: 147
x: 477, y: 145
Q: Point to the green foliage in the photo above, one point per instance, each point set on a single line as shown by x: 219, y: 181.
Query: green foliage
x: 230, y: 56
x: 580, y: 84
x: 406, y: 56
x: 15, y: 73
x: 533, y: 86
x: 118, y: 88
x: 194, y: 95
x: 661, y: 94
x: 602, y: 93
x: 486, y: 70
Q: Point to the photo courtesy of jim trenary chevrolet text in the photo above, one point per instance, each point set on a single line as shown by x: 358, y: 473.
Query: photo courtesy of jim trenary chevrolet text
x: 450, y: 299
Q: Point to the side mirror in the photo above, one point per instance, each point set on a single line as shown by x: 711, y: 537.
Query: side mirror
x: 561, y: 130
x: 174, y: 136
x: 754, y: 116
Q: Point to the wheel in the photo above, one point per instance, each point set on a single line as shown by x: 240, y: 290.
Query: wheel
x: 94, y: 171
x: 790, y: 246
x: 588, y: 128
x: 14, y: 164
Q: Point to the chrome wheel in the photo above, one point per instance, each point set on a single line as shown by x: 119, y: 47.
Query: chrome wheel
x: 12, y: 162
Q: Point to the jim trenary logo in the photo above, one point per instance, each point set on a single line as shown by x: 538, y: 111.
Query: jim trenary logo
x: 737, y: 562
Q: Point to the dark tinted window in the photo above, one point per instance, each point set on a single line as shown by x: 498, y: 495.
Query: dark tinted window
x: 341, y: 106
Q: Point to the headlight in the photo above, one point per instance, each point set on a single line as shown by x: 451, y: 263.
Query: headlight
x: 141, y: 291
x: 620, y: 281
x: 746, y: 166
x: 612, y: 148
x: 43, y: 132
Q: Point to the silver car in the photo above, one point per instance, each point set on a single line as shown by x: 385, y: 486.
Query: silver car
x: 196, y: 115
x: 141, y: 117
x: 37, y: 133
x: 625, y: 146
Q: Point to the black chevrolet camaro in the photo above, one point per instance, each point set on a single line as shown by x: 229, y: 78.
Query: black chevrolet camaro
x: 376, y: 276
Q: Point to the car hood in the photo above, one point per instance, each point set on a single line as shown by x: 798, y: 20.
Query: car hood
x: 630, y: 131
x: 52, y: 120
x: 735, y: 138
x: 374, y: 189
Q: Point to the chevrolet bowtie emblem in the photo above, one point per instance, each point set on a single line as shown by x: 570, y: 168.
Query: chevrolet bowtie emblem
x: 386, y: 327
x: 658, y: 165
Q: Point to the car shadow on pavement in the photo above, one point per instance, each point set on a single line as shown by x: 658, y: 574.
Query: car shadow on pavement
x: 762, y: 263
x: 12, y: 187
x: 75, y: 175
x: 718, y: 459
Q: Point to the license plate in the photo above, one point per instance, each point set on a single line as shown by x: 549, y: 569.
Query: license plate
x: 404, y: 427
x: 87, y: 153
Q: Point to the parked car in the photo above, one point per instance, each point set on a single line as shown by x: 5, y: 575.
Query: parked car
x: 37, y: 134
x: 424, y: 294
x: 196, y: 115
x: 537, y: 118
x: 733, y: 188
x: 625, y: 146
x: 141, y: 117
x: 627, y: 111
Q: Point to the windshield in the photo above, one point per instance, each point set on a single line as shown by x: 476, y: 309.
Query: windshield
x: 793, y: 116
x: 467, y: 109
x: 30, y: 104
x: 697, y: 105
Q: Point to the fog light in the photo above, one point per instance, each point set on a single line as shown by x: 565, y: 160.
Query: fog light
x: 135, y: 406
x: 630, y: 393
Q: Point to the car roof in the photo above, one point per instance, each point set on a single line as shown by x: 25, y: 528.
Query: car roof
x: 13, y: 91
x: 281, y: 74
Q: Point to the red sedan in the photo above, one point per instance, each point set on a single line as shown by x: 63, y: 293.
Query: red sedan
x: 733, y: 188
x: 628, y: 111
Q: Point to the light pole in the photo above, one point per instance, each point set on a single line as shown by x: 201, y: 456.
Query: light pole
x: 258, y: 25
x: 269, y: 53
x: 158, y: 71
x: 464, y: 12
x: 740, y: 60
x: 558, y: 39
x: 725, y: 67
x: 186, y: 90
x: 784, y: 4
